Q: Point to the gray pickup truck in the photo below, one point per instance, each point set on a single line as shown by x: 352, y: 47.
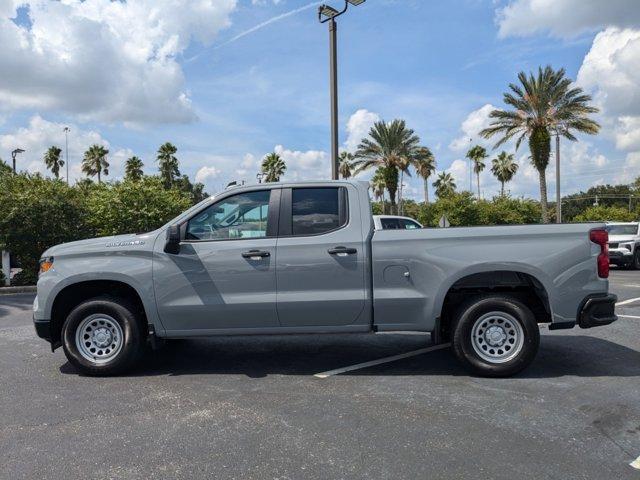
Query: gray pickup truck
x: 304, y: 258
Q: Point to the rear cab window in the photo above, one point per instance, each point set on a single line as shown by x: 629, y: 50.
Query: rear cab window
x: 315, y: 211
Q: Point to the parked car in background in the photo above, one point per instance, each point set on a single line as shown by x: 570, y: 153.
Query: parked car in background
x: 394, y: 222
x: 624, y: 244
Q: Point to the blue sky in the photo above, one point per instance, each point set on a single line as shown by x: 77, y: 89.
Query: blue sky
x: 135, y: 75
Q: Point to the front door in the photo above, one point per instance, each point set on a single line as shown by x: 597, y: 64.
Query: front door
x: 320, y: 259
x: 224, y: 275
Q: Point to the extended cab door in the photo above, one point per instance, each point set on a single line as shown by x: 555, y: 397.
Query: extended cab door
x: 320, y: 258
x: 224, y: 276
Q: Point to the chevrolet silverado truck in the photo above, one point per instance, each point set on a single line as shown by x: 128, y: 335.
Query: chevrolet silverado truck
x: 294, y: 258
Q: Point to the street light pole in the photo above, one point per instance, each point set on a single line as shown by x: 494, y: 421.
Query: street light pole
x: 13, y: 157
x: 333, y: 79
x: 66, y: 147
x: 329, y: 14
x: 558, y: 199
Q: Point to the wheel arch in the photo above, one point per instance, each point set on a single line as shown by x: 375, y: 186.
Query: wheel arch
x: 518, y: 282
x: 73, y: 294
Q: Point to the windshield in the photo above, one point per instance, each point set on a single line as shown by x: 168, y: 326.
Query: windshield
x: 623, y: 229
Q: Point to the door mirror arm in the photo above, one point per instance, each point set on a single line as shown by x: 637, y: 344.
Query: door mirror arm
x: 172, y: 243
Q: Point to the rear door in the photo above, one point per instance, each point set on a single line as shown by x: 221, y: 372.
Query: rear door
x: 320, y: 258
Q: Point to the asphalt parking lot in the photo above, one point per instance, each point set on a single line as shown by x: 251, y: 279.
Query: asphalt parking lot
x: 253, y: 408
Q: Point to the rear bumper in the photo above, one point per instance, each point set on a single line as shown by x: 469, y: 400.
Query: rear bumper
x: 597, y: 310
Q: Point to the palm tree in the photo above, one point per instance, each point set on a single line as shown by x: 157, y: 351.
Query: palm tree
x: 378, y: 186
x: 542, y: 104
x: 133, y: 169
x: 477, y: 154
x: 53, y: 161
x: 168, y: 164
x: 504, y: 168
x: 425, y: 165
x: 273, y: 167
x: 387, y: 146
x: 345, y: 168
x: 444, y: 185
x: 95, y: 161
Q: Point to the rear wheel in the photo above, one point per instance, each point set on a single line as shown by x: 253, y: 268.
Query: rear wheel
x: 495, y: 335
x: 102, y: 336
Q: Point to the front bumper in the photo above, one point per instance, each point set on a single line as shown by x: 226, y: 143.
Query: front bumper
x: 597, y: 310
x: 620, y: 256
x: 43, y: 329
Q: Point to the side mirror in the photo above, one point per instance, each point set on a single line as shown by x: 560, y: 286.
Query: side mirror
x: 172, y: 243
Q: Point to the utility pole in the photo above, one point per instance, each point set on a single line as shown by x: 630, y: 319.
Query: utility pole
x: 558, y: 199
x: 66, y: 147
x: 329, y: 14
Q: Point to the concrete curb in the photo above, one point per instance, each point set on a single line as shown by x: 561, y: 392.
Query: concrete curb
x: 13, y: 290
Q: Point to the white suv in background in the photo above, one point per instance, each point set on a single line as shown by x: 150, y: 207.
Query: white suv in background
x: 624, y: 244
x: 394, y: 222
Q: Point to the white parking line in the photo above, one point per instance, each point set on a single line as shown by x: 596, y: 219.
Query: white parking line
x: 630, y: 300
x: 636, y: 463
x: 628, y: 316
x: 381, y: 360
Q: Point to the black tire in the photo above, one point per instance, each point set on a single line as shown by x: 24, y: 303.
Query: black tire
x: 505, y: 306
x: 131, y: 343
x: 635, y: 263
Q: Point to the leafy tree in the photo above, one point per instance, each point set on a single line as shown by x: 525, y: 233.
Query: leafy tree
x: 345, y: 164
x: 445, y: 185
x: 602, y: 213
x: 477, y: 154
x: 95, y: 161
x: 53, y: 161
x: 133, y: 169
x: 542, y: 105
x: 5, y: 169
x: 168, y: 164
x: 130, y: 207
x: 504, y: 168
x: 273, y: 167
x: 36, y: 214
x: 195, y: 191
x: 622, y: 196
x: 425, y: 164
x: 389, y: 145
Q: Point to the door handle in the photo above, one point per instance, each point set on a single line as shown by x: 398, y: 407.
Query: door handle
x: 256, y: 254
x: 342, y: 251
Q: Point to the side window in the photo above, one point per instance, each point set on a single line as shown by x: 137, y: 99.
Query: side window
x: 240, y: 216
x: 409, y: 224
x: 317, y: 210
x: 390, y: 223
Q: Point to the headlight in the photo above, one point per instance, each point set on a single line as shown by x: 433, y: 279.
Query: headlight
x: 46, y: 263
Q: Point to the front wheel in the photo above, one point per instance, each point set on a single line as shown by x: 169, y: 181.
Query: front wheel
x: 102, y: 336
x: 495, y: 335
x: 635, y: 263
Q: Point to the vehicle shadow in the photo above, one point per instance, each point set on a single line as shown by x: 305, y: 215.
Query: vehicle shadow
x: 260, y: 356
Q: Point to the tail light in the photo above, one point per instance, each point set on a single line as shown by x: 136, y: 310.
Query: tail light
x: 601, y: 237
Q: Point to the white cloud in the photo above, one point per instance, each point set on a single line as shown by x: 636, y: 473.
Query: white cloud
x: 40, y: 134
x: 610, y: 72
x: 471, y: 126
x: 204, y: 174
x: 358, y: 127
x: 307, y: 165
x: 104, y: 60
x: 565, y: 18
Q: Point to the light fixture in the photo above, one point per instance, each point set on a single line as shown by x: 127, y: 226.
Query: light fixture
x: 328, y: 12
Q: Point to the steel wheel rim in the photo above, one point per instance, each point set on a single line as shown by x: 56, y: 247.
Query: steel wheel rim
x: 497, y: 337
x: 99, y: 338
